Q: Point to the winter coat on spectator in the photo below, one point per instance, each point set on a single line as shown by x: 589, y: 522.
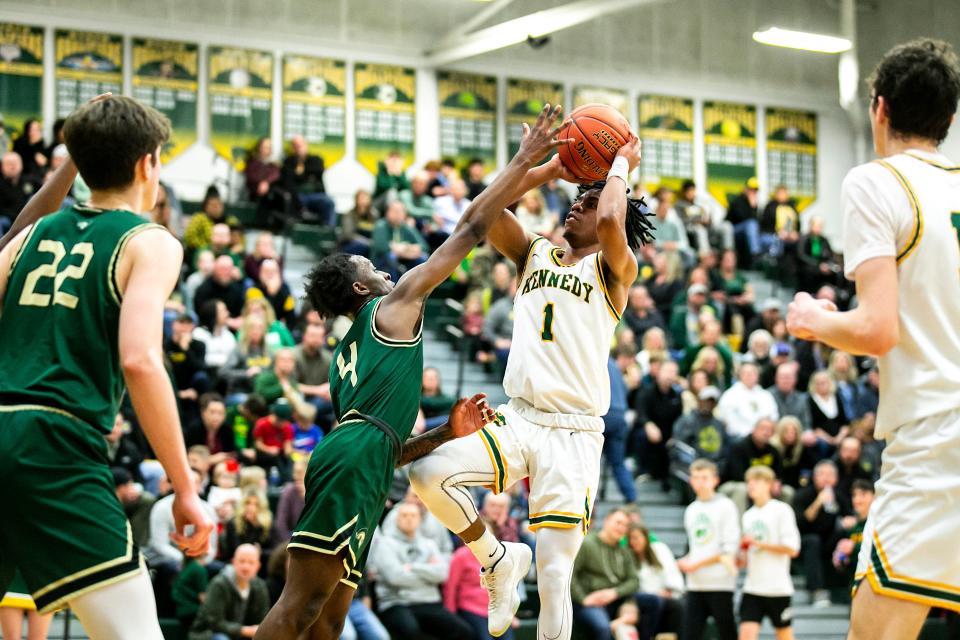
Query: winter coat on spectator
x: 795, y: 404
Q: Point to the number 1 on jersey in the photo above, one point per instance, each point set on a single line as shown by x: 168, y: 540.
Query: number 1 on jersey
x: 546, y: 334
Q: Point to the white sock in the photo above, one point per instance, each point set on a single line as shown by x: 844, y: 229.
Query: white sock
x: 487, y: 549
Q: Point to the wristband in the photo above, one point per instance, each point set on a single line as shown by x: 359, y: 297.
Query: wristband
x: 619, y: 169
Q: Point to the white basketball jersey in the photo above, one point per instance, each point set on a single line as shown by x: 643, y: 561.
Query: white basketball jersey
x: 563, y: 327
x: 908, y: 206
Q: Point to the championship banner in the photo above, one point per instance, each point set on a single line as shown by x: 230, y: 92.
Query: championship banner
x: 730, y: 136
x: 21, y: 76
x: 165, y: 77
x: 315, y: 103
x: 666, y: 133
x: 792, y: 153
x: 385, y: 109
x: 240, y: 92
x: 88, y: 64
x: 525, y: 100
x: 468, y: 118
x: 612, y: 97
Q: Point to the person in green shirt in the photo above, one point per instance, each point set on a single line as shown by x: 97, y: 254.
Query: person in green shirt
x: 189, y: 591
x: 397, y: 246
x: 416, y: 199
x: 434, y: 403
x: 390, y: 176
x: 273, y: 383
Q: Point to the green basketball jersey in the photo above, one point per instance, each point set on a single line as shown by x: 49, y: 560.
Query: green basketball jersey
x: 376, y: 375
x: 59, y: 323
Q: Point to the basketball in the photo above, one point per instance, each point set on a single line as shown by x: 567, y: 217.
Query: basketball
x: 597, y: 132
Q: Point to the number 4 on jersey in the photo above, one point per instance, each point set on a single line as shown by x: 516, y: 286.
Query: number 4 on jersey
x: 348, y: 367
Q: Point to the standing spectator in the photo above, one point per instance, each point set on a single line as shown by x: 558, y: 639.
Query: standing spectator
x: 14, y: 189
x: 212, y: 332
x: 615, y: 433
x: 464, y: 596
x: 658, y: 407
x: 713, y: 532
x: 790, y: 402
x: 659, y: 576
x: 534, y: 216
x: 670, y: 235
x: 136, y: 504
x: 224, y: 285
x: 273, y: 437
x: 236, y: 602
x: 447, y: 211
x: 417, y: 200
x: 736, y: 292
x: 434, y: 403
x: 746, y: 402
x: 250, y: 525
x: 263, y: 249
x: 847, y: 549
x: 701, y: 431
x: 779, y: 224
x: 742, y: 214
x: 32, y: 150
x: 396, y: 245
x: 290, y: 504
x: 826, y: 412
x: 818, y: 512
x: 641, y: 314
x: 751, y: 451
x: 771, y: 540
x: 197, y: 234
x: 474, y: 179
x: 271, y: 287
x: 410, y: 568
x: 817, y: 262
x: 260, y: 172
x: 356, y: 226
x: 665, y: 284
x: 302, y: 177
x: 391, y: 179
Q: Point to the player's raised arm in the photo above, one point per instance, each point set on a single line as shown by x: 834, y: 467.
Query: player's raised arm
x: 44, y: 202
x: 618, y: 256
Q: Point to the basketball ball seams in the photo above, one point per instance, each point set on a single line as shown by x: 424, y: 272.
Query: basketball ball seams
x: 598, y: 132
x: 598, y: 136
x: 589, y: 166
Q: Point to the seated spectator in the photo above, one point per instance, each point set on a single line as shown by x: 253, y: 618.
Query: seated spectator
x: 862, y: 430
x: 770, y: 314
x: 224, y: 494
x: 697, y: 381
x: 189, y: 591
x: 214, y: 334
x: 658, y: 407
x: 663, y: 285
x: 671, y: 237
x: 847, y: 550
x: 213, y: 430
x: 711, y: 335
x: 464, y: 596
x: 447, y: 211
x: 685, y: 322
x: 474, y: 178
x: 166, y: 210
x: 306, y: 434
x: 742, y: 214
x: 759, y: 345
x: 704, y: 434
x: 818, y: 513
x: 434, y: 403
x: 274, y: 290
x: 711, y: 364
x: 796, y: 448
x: 534, y: 216
x: 312, y: 368
x: 652, y: 344
x: 30, y: 147
x: 442, y: 175
x: 495, y: 511
x: 252, y: 524
x: 263, y: 249
x: 205, y: 261
x: 199, y: 229
x: 843, y: 370
x: 278, y: 335
x: 499, y: 285
x: 187, y: 359
x: 136, y: 504
x: 236, y: 602
x: 224, y: 285
x: 430, y: 527
x: 261, y: 173
x: 290, y: 504
x: 641, y: 314
x: 615, y: 424
x: 850, y: 468
x: 827, y: 418
x: 273, y: 437
x: 417, y: 201
x: 273, y: 383
x: 752, y: 451
x: 817, y: 263
x: 396, y: 245
x: 779, y: 225
x: 302, y: 177
x: 707, y: 230
x: 498, y: 325
x: 221, y: 243
x: 244, y: 418
x: 356, y: 226
x: 162, y: 553
x: 198, y: 457
x: 868, y: 392
x: 122, y: 451
x: 745, y: 403
x: 557, y: 199
x: 790, y: 402
x: 659, y: 576
x: 248, y: 359
x: 15, y: 190
x: 409, y: 569
x: 391, y: 179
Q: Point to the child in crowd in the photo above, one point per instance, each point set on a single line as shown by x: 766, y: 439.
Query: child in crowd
x: 273, y: 437
x: 224, y: 494
x: 848, y: 547
x: 306, y: 434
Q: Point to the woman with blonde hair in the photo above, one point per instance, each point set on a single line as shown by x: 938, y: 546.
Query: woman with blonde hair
x: 827, y: 416
x: 696, y: 382
x: 533, y: 214
x: 251, y: 524
x: 710, y: 362
x: 248, y: 358
x: 794, y: 445
x: 277, y: 334
x: 654, y: 341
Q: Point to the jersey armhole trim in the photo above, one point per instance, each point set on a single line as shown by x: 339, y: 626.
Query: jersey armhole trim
x: 118, y: 253
x: 933, y: 163
x: 23, y: 245
x: 522, y: 268
x: 598, y: 261
x: 917, y: 232
x: 393, y: 342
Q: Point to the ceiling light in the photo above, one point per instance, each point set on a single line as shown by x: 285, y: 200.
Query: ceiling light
x: 819, y: 42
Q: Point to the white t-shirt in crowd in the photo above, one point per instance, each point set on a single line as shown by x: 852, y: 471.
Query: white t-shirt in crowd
x: 713, y: 528
x: 741, y: 408
x: 768, y: 573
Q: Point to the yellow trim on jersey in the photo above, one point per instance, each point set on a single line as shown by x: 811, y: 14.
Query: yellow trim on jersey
x: 103, y: 565
x: 23, y: 245
x: 888, y: 568
x: 522, y: 269
x: 553, y: 525
x: 18, y: 601
x: 917, y: 232
x: 497, y: 459
x: 911, y: 597
x: 393, y: 342
x: 555, y: 258
x: 933, y: 163
x: 598, y: 262
x: 555, y: 513
x: 13, y: 408
x: 118, y: 252
x: 326, y: 538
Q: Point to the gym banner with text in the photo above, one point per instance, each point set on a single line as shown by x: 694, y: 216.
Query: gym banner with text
x: 468, y: 117
x: 615, y: 98
x: 385, y: 113
x: 666, y: 131
x: 315, y: 103
x: 525, y: 100
x: 165, y: 77
x: 730, y: 139
x: 21, y: 76
x: 792, y: 153
x: 88, y: 64
x: 240, y: 93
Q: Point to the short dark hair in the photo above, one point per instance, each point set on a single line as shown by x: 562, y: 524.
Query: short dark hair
x: 329, y: 285
x: 209, y: 398
x: 862, y: 485
x: 687, y: 184
x: 920, y: 83
x: 107, y: 138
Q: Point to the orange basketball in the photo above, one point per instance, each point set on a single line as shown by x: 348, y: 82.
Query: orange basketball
x: 597, y: 131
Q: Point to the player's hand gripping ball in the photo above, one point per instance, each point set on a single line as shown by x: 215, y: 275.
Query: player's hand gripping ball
x: 469, y: 415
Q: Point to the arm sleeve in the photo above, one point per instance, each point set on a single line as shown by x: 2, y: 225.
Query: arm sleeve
x: 870, y: 199
x: 161, y: 524
x: 434, y: 572
x: 631, y: 583
x: 391, y: 570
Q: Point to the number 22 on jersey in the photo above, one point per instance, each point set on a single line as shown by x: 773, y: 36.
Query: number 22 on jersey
x: 30, y: 298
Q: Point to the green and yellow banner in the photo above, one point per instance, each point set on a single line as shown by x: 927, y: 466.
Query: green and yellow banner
x: 315, y: 103
x: 21, y: 76
x: 240, y: 93
x: 730, y: 138
x: 165, y: 77
x: 792, y: 153
x: 666, y: 131
x: 385, y: 113
x: 88, y: 64
x: 525, y: 99
x: 468, y: 117
x: 615, y: 98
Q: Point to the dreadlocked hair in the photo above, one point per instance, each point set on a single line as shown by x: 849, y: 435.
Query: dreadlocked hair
x: 329, y: 285
x: 638, y: 228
